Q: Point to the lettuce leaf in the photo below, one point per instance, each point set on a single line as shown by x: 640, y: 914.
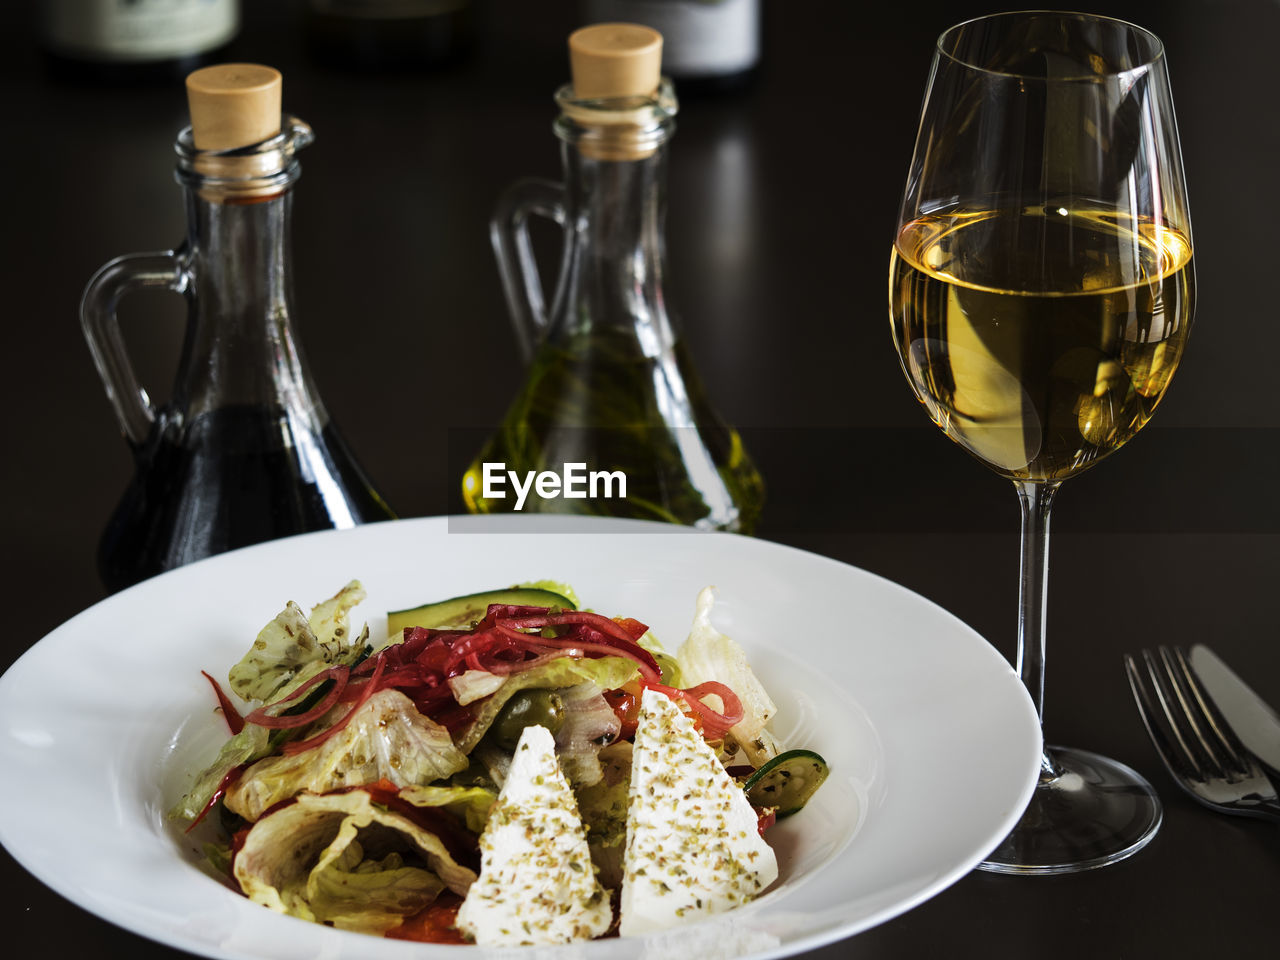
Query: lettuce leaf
x: 707, y: 654
x: 344, y: 860
x: 329, y: 618
x: 250, y: 744
x: 469, y: 804
x: 219, y: 857
x: 473, y: 685
x: 589, y: 723
x: 603, y: 809
x: 292, y: 648
x: 387, y: 738
x: 607, y: 673
x: 494, y: 761
x: 354, y: 893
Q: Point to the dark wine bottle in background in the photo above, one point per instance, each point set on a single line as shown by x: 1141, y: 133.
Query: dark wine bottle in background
x: 709, y: 46
x: 135, y: 40
x: 388, y: 35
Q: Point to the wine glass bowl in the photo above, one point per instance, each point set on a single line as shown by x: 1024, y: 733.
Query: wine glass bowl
x: 1037, y: 363
x: 1041, y: 291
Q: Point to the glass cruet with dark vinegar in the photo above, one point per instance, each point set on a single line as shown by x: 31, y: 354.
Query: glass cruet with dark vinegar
x: 610, y: 385
x: 244, y: 451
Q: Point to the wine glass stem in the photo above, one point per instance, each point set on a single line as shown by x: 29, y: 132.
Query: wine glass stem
x: 1036, y: 498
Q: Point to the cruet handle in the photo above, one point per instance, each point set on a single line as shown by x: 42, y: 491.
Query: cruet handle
x: 509, y: 231
x: 135, y: 271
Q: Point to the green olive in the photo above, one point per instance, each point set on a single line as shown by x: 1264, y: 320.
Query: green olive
x: 527, y: 708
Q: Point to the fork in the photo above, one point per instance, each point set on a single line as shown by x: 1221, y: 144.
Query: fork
x: 1198, y: 748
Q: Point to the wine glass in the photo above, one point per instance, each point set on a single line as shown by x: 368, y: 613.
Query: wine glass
x: 1041, y: 292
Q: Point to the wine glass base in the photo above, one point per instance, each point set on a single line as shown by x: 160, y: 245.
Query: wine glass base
x: 1094, y: 812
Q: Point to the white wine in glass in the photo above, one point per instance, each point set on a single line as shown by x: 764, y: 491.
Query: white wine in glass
x: 1041, y: 292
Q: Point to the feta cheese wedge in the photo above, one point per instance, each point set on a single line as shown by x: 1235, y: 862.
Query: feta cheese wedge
x: 537, y: 884
x: 693, y: 846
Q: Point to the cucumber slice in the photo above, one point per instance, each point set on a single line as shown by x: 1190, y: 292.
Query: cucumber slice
x: 462, y: 612
x: 787, y: 781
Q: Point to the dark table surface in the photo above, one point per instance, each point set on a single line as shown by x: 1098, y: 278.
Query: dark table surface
x: 782, y: 206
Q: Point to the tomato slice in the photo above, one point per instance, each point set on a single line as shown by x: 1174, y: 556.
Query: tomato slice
x: 436, y: 923
x: 766, y: 817
x: 626, y: 704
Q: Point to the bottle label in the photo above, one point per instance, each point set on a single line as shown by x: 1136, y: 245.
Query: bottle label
x: 700, y: 38
x: 135, y: 30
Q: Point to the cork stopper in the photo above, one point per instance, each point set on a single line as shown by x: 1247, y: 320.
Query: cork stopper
x: 233, y: 105
x: 615, y: 60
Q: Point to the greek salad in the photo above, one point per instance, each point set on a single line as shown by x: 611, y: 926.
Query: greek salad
x: 502, y: 768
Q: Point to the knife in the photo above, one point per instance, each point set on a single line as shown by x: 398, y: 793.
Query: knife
x: 1253, y: 721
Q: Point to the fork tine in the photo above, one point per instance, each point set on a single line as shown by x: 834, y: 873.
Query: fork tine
x: 1192, y: 762
x: 1177, y: 757
x: 1226, y: 745
x: 1195, y: 744
x: 1191, y: 712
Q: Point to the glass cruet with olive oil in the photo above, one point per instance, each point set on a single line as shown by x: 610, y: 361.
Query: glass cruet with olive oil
x: 610, y: 385
x: 244, y: 451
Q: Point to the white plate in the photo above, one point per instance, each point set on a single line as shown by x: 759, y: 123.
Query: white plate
x: 932, y: 741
